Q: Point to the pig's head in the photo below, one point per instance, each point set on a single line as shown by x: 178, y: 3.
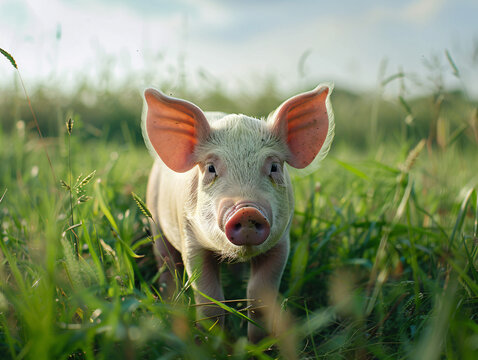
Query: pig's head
x: 242, y: 202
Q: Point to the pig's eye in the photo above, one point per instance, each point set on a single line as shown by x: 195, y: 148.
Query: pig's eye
x: 210, y: 174
x: 211, y: 169
x: 274, y: 171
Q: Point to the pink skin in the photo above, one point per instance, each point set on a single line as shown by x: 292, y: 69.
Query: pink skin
x: 245, y: 222
x: 247, y: 226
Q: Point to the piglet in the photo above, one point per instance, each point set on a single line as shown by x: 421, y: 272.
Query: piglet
x: 220, y: 189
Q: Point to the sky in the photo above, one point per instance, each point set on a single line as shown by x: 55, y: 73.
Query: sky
x: 239, y: 44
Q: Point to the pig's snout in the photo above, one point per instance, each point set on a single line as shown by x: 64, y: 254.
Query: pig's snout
x: 247, y: 226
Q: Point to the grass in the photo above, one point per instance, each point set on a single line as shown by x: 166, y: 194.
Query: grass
x: 383, y: 261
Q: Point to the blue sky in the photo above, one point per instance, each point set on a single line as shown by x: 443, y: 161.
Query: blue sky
x: 239, y: 43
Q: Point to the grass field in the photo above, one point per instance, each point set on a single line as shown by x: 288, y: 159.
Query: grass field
x: 383, y: 262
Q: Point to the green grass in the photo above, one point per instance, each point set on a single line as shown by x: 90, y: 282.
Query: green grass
x: 383, y: 261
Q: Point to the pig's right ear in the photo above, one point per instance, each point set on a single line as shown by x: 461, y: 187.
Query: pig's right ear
x: 174, y: 127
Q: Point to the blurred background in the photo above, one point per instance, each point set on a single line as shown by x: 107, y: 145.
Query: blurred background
x: 94, y: 58
x: 392, y: 210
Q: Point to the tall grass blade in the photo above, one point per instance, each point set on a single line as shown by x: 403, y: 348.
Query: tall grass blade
x: 317, y: 321
x: 352, y: 169
x: 433, y: 339
x: 12, y: 61
x: 461, y: 215
x: 228, y: 308
x: 3, y: 195
x: 4, y: 327
x: 473, y: 286
x: 9, y: 57
x: 96, y: 259
x: 389, y: 79
x: 114, y: 225
x: 456, y: 134
x: 456, y: 72
x: 405, y: 104
x: 104, y: 208
x: 17, y: 274
x: 72, y: 265
x: 299, y: 265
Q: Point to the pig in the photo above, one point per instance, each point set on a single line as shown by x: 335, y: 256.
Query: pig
x: 220, y: 191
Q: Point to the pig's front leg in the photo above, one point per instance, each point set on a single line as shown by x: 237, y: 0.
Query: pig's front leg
x: 266, y: 273
x: 208, y: 282
x: 169, y: 262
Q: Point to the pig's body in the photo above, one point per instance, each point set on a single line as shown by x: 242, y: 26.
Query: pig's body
x: 220, y: 190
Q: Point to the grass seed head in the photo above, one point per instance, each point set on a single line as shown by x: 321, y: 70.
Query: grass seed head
x: 142, y: 206
x: 69, y: 125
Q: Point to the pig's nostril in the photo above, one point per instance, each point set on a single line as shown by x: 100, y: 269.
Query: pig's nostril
x: 247, y: 226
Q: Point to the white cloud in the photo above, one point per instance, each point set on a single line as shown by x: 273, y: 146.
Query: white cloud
x: 422, y: 11
x: 417, y: 12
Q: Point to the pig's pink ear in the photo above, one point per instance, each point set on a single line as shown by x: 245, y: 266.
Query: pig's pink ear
x: 174, y: 128
x: 304, y: 122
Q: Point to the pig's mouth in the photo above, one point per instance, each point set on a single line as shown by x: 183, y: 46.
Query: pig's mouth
x: 245, y: 224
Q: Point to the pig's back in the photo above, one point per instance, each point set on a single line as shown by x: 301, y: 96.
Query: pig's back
x: 213, y: 116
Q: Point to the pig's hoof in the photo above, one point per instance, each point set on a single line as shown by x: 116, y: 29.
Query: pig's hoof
x: 247, y: 226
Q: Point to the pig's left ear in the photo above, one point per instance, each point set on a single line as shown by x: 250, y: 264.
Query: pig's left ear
x: 305, y: 123
x: 173, y: 127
